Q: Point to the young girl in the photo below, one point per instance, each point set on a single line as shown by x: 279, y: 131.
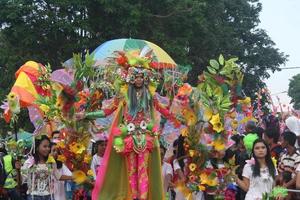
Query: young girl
x: 39, y: 171
x: 259, y: 175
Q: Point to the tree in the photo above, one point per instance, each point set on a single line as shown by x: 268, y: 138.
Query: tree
x: 191, y: 31
x: 294, y: 91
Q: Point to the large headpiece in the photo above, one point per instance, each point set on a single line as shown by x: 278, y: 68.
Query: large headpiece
x: 136, y: 62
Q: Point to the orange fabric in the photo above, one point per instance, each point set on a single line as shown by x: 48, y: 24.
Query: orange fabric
x: 26, y: 98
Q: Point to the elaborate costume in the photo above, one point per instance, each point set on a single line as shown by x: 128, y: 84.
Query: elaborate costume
x: 131, y: 168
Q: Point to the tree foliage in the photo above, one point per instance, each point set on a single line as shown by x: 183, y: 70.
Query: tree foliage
x: 191, y: 31
x: 294, y: 91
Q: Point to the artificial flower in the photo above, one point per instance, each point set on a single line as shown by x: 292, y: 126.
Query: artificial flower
x: 207, y: 114
x: 212, y: 182
x: 219, y: 144
x: 61, y: 158
x: 87, y: 158
x: 218, y: 127
x: 143, y: 125
x: 192, y: 167
x: 215, y: 119
x: 50, y: 159
x: 77, y: 148
x: 234, y: 124
x: 192, y: 153
x: 11, y: 96
x: 13, y: 103
x: 203, y: 178
x: 79, y: 176
x: 131, y: 127
x: 189, y: 116
x: 44, y: 108
x: 246, y: 101
x: 192, y: 178
x: 201, y: 187
x: 184, y: 132
x: 90, y: 173
x: 61, y: 145
x: 185, y: 90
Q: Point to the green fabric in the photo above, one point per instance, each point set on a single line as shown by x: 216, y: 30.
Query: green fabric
x: 95, y: 115
x: 9, y: 170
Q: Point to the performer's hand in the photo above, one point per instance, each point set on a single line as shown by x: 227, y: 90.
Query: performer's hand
x: 80, y: 115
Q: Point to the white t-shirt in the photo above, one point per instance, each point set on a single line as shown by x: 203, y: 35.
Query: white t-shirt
x: 39, y: 177
x: 59, y: 186
x: 96, y: 162
x: 258, y: 185
x: 166, y: 170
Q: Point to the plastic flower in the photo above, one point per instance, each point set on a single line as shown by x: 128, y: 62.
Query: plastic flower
x: 13, y: 103
x: 203, y: 178
x: 189, y: 117
x: 201, y: 187
x: 246, y: 101
x: 79, y: 177
x: 90, y: 173
x: 143, y: 125
x: 77, y: 148
x: 87, y: 158
x: 131, y: 127
x: 50, y: 160
x: 234, y: 124
x: 184, y: 132
x: 192, y: 167
x: 207, y: 114
x: 216, y: 123
x: 192, y: 153
x: 61, y: 158
x: 192, y: 178
x: 219, y: 144
x: 212, y: 182
x: 44, y: 108
x: 61, y: 145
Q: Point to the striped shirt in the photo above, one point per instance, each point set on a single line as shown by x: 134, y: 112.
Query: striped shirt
x: 289, y: 162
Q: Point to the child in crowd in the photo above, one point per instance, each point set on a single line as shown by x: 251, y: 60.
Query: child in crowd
x: 288, y: 162
x: 98, y: 157
x: 259, y: 176
x: 59, y: 186
x: 167, y: 171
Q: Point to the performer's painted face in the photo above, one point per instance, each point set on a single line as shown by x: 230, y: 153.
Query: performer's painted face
x: 139, y: 80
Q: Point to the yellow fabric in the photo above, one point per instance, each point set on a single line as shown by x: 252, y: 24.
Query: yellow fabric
x: 23, y: 81
x: 161, y: 55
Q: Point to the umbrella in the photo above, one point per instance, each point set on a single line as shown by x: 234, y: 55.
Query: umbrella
x: 108, y: 49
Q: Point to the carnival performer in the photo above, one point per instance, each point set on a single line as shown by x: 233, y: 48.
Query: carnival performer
x: 131, y: 165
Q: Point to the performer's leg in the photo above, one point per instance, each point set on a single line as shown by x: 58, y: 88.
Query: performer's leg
x: 143, y: 175
x: 132, y: 173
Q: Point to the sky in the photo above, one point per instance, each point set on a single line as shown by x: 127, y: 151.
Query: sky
x: 281, y: 20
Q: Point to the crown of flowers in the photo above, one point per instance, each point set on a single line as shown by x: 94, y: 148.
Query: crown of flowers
x: 135, y: 62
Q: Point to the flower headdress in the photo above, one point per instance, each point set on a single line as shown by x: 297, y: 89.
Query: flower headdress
x: 136, y: 62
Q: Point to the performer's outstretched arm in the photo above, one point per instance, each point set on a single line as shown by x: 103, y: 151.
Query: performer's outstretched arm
x: 104, y: 112
x: 165, y: 112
